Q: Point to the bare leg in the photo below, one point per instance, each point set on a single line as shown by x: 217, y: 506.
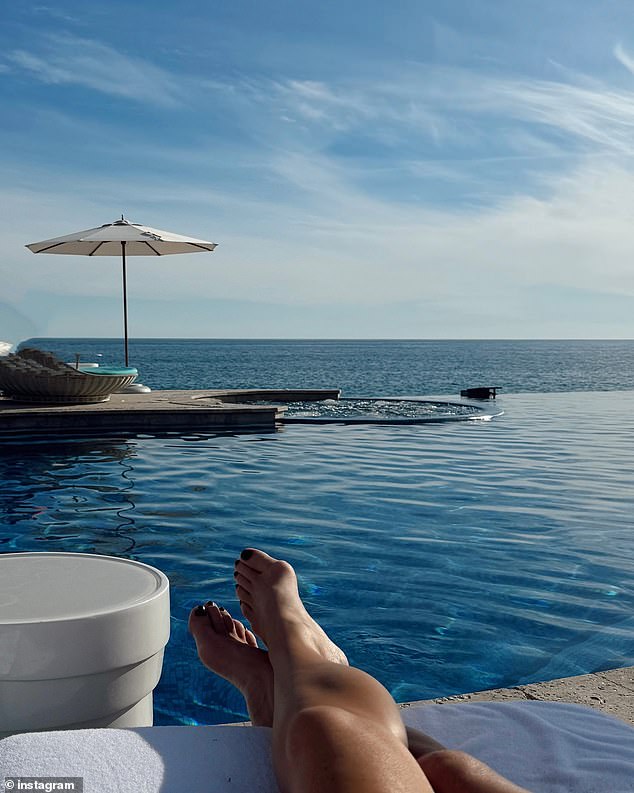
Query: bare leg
x: 451, y: 771
x: 421, y: 744
x: 331, y: 734
x: 335, y: 728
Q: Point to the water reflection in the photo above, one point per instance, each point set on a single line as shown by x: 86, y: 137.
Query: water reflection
x: 50, y: 486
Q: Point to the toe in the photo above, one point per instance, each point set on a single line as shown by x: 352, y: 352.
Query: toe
x: 250, y: 638
x: 239, y: 630
x: 243, y: 580
x: 243, y: 569
x: 215, y: 618
x: 227, y: 620
x: 247, y: 611
x: 198, y: 624
x: 243, y: 594
x: 256, y: 559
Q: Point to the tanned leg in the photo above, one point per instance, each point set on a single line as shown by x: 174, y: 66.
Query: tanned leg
x: 335, y: 728
x: 451, y: 771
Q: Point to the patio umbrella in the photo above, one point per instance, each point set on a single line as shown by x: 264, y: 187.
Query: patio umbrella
x: 125, y: 239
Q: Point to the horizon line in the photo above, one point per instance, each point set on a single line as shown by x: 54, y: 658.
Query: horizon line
x: 325, y: 338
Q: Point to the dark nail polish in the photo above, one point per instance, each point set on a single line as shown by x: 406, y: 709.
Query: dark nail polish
x: 246, y: 554
x: 235, y: 574
x: 199, y: 611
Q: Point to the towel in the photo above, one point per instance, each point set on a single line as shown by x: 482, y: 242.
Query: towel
x: 547, y: 747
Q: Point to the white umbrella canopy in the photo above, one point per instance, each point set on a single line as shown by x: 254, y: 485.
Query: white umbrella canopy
x: 122, y: 238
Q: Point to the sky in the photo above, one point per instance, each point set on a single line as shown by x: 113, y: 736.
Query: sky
x: 368, y: 170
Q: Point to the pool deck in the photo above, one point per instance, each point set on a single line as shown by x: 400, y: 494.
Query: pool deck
x: 611, y: 692
x: 160, y: 411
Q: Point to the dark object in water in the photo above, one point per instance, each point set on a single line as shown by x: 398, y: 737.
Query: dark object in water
x: 483, y: 392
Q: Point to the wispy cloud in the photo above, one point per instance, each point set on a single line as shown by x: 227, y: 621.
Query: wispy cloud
x: 434, y: 184
x: 439, y: 106
x: 330, y: 232
x: 54, y: 13
x: 350, y: 106
x: 597, y: 115
x: 71, y: 60
x: 456, y: 106
x: 624, y: 57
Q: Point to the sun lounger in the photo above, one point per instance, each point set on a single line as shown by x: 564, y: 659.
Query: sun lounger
x: 547, y: 747
x: 35, y: 376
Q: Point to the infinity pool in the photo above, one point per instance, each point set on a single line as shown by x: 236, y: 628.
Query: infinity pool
x: 443, y: 558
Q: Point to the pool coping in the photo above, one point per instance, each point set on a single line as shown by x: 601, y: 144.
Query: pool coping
x: 610, y: 691
x: 165, y: 410
x: 187, y: 410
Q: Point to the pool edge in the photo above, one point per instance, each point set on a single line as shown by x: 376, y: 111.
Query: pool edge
x: 610, y: 691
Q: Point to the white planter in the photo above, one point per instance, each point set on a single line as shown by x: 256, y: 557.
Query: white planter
x: 81, y: 641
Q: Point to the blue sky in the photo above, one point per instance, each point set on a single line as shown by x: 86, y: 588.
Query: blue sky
x: 369, y: 170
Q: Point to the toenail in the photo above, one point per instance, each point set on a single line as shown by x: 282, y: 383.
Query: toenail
x: 246, y: 554
x: 235, y: 575
x: 199, y: 611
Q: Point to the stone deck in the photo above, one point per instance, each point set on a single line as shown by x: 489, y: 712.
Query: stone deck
x: 611, y: 692
x: 202, y: 410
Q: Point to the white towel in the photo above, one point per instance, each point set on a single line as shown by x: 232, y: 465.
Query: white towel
x: 547, y: 747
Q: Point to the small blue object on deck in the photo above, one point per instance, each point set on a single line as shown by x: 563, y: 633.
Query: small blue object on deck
x: 111, y: 370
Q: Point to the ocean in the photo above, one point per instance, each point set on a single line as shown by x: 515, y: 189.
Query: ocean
x: 365, y: 368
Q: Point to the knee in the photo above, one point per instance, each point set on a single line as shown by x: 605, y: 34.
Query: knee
x: 448, y: 763
x: 316, y: 724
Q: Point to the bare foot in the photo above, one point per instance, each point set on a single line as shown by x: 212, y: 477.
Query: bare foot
x: 269, y: 598
x: 230, y: 650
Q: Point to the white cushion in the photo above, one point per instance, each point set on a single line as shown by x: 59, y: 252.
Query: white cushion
x: 547, y: 747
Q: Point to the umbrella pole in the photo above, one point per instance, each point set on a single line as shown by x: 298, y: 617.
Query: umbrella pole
x: 125, y: 304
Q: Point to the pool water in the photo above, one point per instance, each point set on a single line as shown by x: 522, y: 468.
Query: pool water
x: 443, y: 558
